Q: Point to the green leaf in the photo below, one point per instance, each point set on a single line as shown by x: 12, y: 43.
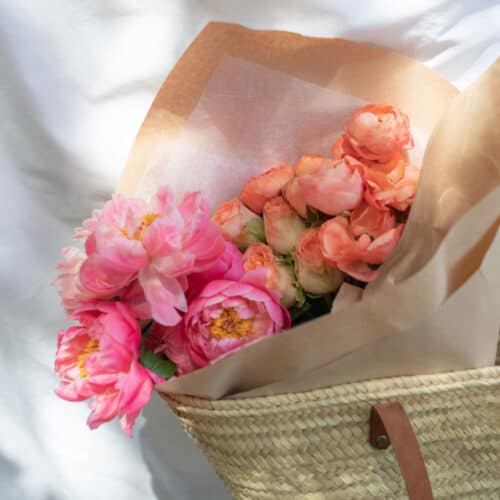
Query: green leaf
x: 157, y: 363
x: 300, y: 296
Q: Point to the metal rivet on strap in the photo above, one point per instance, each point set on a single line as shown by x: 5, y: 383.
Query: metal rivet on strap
x: 382, y: 441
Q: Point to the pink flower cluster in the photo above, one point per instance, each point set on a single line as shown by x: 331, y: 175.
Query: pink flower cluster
x: 148, y: 271
x: 162, y: 289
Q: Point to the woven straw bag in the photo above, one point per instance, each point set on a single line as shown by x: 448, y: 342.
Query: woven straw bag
x: 315, y: 445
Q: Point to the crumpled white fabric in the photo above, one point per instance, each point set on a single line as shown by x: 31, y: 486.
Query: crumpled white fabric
x: 76, y: 79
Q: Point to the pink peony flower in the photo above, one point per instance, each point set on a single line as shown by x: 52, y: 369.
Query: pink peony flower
x: 278, y: 277
x: 239, y: 225
x: 229, y: 314
x: 172, y: 342
x: 334, y: 187
x: 341, y: 249
x: 314, y: 274
x: 229, y: 266
x: 71, y: 291
x: 98, y: 359
x: 158, y: 244
x: 377, y: 131
x: 263, y: 187
x: 282, y: 225
x: 134, y: 297
x: 371, y: 221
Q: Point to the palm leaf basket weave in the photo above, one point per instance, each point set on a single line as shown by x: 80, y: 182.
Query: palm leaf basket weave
x: 314, y: 445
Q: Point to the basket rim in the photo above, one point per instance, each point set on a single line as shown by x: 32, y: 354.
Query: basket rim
x: 351, y: 392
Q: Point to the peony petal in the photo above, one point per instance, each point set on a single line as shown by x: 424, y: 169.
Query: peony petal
x: 98, y: 278
x: 105, y: 407
x: 163, y: 202
x: 165, y: 295
x: 175, y: 346
x: 164, y: 235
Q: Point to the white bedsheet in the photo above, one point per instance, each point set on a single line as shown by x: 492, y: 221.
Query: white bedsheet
x: 76, y: 79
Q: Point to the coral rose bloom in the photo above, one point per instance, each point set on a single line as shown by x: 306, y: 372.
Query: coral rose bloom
x: 391, y: 184
x: 308, y: 164
x: 282, y: 225
x: 313, y: 273
x: 158, y: 244
x: 263, y: 187
x: 225, y: 316
x: 377, y: 131
x: 341, y: 148
x: 334, y: 187
x: 293, y: 195
x: 98, y: 359
x: 366, y: 219
x: 278, y: 275
x: 260, y: 256
x: 341, y: 249
x: 239, y: 224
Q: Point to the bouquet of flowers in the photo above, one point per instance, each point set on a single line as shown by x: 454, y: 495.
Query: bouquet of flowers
x: 236, y: 253
x: 273, y: 234
x: 162, y: 289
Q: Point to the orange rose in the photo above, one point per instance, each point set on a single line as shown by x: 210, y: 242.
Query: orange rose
x: 294, y: 197
x: 282, y: 225
x: 391, y: 184
x: 368, y: 220
x: 263, y: 187
x: 313, y: 273
x: 341, y: 148
x: 239, y: 225
x: 341, y: 249
x: 333, y: 187
x: 308, y: 164
x: 377, y: 131
x: 278, y: 277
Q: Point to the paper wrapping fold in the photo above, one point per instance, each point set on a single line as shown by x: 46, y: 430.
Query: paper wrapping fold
x: 435, y: 306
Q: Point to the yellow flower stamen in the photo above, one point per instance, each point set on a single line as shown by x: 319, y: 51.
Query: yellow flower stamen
x: 92, y: 346
x: 230, y: 325
x: 146, y: 221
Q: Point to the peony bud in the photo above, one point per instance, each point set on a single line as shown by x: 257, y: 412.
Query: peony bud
x: 279, y: 276
x: 239, y: 225
x: 282, y: 225
x: 314, y: 275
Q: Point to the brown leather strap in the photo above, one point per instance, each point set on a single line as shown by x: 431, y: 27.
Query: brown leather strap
x: 390, y: 424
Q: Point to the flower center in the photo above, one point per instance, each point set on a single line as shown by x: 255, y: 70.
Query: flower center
x: 229, y: 324
x: 146, y: 221
x: 92, y: 346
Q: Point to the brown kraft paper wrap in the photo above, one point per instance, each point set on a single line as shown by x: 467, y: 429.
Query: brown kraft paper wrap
x: 435, y: 306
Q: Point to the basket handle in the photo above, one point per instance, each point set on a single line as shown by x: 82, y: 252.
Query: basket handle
x: 390, y: 424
